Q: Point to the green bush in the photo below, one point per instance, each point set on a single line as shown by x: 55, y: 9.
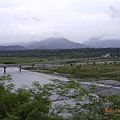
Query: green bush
x: 56, y: 101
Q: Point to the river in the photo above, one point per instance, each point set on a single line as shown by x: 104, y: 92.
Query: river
x: 25, y: 77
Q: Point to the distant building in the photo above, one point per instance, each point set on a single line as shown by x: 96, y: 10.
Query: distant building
x: 107, y: 55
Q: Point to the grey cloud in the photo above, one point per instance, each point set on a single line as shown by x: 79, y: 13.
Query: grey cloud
x: 76, y: 20
x: 104, y: 37
x: 115, y: 12
x: 35, y: 19
x: 19, y: 18
x: 57, y: 33
x: 96, y: 38
x: 38, y: 19
x: 53, y: 33
x: 27, y: 18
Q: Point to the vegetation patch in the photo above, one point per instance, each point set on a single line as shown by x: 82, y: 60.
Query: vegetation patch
x: 56, y: 101
x: 98, y: 71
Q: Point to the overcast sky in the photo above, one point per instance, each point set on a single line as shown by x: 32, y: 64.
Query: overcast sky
x: 76, y: 20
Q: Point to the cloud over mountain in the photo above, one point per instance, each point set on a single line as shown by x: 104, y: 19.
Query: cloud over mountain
x: 115, y: 12
x: 105, y: 41
x: 77, y: 20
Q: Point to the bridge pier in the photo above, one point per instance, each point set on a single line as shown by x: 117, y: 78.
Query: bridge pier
x: 20, y: 68
x: 52, y: 64
x: 4, y: 69
x: 61, y: 63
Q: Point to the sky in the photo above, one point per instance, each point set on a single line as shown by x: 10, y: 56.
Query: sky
x: 76, y: 20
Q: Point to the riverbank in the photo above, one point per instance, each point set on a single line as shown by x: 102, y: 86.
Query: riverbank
x: 88, y: 71
x: 53, y: 70
x: 103, y: 86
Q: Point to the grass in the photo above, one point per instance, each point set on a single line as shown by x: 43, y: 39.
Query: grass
x: 108, y: 71
x: 17, y: 60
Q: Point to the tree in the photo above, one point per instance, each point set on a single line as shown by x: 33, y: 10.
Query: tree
x: 55, y: 101
x: 24, y: 103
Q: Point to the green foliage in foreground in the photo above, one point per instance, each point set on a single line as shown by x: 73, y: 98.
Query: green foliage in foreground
x: 55, y: 101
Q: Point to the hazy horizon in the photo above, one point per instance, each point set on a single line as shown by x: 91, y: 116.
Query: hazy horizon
x: 76, y: 20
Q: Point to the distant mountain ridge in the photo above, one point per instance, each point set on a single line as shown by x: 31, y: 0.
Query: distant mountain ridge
x: 12, y: 47
x: 62, y: 43
x: 55, y: 43
x: 108, y: 43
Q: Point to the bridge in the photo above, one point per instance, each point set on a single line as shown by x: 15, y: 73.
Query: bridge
x: 60, y: 62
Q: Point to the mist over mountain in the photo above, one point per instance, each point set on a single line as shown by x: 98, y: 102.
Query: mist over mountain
x: 12, y: 47
x: 29, y: 44
x: 108, y: 43
x: 62, y: 43
x: 55, y: 43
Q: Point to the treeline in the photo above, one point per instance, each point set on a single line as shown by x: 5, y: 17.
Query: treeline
x: 64, y: 53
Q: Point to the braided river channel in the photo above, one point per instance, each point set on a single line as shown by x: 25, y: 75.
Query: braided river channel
x: 25, y: 77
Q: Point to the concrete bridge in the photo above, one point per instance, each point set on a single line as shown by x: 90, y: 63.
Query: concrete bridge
x: 59, y: 62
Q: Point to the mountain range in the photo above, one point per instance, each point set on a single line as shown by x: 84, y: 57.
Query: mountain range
x: 55, y: 43
x: 12, y: 47
x: 62, y: 43
x: 108, y: 43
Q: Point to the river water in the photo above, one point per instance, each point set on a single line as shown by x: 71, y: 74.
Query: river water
x: 25, y: 77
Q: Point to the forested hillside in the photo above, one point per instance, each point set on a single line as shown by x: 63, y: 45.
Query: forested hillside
x: 64, y: 53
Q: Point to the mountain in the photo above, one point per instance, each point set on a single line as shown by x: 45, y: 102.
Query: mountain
x: 109, y: 43
x: 29, y: 44
x: 55, y: 43
x: 12, y: 47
